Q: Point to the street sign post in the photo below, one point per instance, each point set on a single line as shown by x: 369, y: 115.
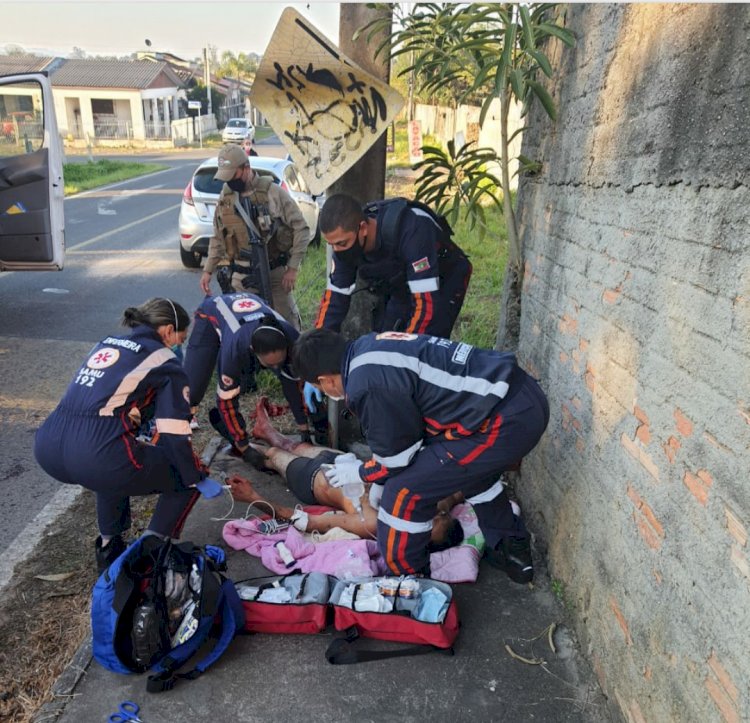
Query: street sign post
x: 196, y: 105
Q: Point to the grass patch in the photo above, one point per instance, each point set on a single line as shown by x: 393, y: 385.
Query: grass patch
x: 84, y: 176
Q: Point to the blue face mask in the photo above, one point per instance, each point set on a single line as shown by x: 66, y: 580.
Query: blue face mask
x: 177, y: 351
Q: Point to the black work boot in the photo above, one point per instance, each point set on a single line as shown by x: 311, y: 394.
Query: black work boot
x: 106, y: 555
x: 512, y: 555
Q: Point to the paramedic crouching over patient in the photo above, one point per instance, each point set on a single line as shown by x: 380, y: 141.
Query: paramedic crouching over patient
x: 440, y: 417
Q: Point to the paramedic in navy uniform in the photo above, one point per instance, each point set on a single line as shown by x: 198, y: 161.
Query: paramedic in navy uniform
x: 414, y: 264
x: 234, y: 328
x: 440, y: 417
x: 90, y: 438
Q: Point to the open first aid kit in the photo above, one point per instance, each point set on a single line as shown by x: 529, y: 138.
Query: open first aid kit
x: 414, y: 610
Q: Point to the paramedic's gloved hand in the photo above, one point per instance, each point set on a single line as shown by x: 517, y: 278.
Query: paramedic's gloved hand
x: 376, y: 492
x: 345, y: 470
x: 312, y: 395
x: 209, y: 488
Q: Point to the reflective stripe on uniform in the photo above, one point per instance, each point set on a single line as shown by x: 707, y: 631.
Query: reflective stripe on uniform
x: 420, y: 286
x: 173, y: 426
x: 227, y: 393
x: 430, y: 374
x: 403, y: 525
x: 401, y: 459
x: 346, y: 292
x: 488, y: 495
x: 227, y: 315
x: 133, y: 378
x: 424, y: 214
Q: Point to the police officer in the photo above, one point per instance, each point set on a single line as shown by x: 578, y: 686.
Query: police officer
x: 275, y: 215
x: 404, y: 254
x: 229, y: 332
x: 440, y: 417
x: 91, y: 438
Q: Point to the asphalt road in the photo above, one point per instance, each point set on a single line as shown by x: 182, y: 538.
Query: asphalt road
x: 122, y: 248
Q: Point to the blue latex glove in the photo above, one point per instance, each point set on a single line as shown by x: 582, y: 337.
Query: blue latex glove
x: 209, y: 488
x: 312, y: 393
x: 345, y: 471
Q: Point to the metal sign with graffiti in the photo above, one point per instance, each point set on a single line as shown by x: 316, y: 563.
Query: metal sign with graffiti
x: 324, y: 108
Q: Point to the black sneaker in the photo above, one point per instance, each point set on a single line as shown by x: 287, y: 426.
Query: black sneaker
x: 513, y: 556
x: 105, y: 556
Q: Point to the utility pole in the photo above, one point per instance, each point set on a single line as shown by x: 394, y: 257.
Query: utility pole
x: 207, y: 70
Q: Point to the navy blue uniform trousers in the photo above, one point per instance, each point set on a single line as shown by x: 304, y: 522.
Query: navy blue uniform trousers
x: 66, y: 448
x: 470, y: 465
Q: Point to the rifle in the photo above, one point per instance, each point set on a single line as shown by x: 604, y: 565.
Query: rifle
x: 259, y: 274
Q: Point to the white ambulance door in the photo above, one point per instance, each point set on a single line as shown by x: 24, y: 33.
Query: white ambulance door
x: 32, y: 236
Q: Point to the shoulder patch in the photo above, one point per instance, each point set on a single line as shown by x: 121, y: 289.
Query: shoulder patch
x: 421, y: 265
x: 462, y: 353
x: 227, y: 381
x: 103, y: 358
x: 396, y: 336
x: 245, y: 306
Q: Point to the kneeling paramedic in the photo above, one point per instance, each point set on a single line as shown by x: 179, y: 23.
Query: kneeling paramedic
x: 93, y: 437
x: 440, y: 417
x: 228, y: 333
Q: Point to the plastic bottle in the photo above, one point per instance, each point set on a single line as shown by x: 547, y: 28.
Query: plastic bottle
x: 353, y: 491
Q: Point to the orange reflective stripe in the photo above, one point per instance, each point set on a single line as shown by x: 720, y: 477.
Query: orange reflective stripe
x: 325, y: 302
x: 416, y: 315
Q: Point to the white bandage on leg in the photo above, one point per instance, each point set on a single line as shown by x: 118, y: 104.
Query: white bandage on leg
x: 299, y: 520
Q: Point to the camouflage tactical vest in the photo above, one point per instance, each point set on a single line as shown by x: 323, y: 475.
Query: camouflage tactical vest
x: 235, y: 233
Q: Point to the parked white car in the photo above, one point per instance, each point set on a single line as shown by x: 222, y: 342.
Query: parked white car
x: 238, y: 130
x: 202, y: 194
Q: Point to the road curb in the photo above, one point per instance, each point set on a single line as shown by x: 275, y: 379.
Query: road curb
x: 29, y: 537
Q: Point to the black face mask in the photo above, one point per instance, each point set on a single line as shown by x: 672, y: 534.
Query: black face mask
x: 237, y: 185
x: 353, y: 255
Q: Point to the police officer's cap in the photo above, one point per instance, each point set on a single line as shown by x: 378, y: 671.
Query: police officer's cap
x: 231, y: 157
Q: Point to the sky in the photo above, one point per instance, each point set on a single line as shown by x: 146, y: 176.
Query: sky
x: 182, y: 27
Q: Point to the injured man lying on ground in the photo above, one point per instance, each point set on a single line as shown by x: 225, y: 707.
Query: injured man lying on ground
x: 456, y: 544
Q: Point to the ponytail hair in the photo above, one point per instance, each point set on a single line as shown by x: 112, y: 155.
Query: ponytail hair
x: 155, y: 313
x: 269, y: 336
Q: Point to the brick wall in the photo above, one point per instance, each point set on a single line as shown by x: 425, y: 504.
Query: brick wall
x: 636, y: 316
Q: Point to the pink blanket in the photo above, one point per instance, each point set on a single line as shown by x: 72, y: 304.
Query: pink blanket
x: 356, y: 558
x: 341, y: 558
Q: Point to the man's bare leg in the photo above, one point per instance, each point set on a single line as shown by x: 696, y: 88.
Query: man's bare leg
x: 243, y: 491
x: 265, y: 431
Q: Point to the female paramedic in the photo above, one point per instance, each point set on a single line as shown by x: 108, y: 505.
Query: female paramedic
x: 229, y: 331
x: 90, y: 439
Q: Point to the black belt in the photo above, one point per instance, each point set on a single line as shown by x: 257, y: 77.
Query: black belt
x: 280, y: 260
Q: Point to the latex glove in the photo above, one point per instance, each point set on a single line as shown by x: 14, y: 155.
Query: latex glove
x: 209, y: 488
x: 344, y: 472
x: 376, y: 492
x: 312, y: 393
x: 345, y: 458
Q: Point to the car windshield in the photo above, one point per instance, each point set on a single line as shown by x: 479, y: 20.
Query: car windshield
x: 204, y: 181
x: 237, y: 124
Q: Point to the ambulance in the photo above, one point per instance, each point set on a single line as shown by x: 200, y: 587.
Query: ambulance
x: 32, y: 226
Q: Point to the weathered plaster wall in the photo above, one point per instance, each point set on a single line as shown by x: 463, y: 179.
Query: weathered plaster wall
x: 636, y: 316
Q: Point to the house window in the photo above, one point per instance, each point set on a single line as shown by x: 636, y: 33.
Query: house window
x: 101, y: 106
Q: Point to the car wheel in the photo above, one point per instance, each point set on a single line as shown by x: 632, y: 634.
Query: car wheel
x: 190, y: 259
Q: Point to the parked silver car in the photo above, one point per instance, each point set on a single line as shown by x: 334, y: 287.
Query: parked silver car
x: 238, y: 130
x: 202, y: 194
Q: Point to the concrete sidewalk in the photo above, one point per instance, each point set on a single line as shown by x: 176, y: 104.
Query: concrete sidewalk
x: 286, y: 677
